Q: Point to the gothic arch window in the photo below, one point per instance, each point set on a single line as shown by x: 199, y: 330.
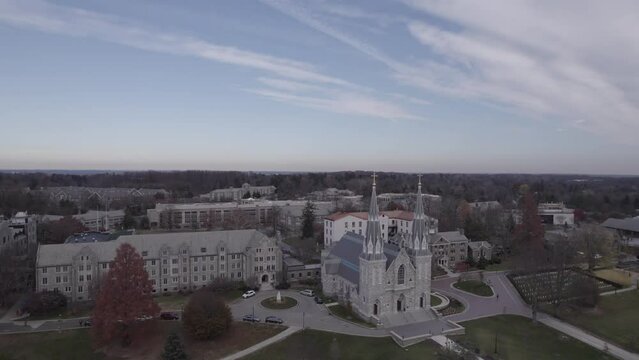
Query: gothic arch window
x: 400, y: 275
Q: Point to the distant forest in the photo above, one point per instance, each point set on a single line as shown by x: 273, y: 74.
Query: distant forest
x: 598, y: 196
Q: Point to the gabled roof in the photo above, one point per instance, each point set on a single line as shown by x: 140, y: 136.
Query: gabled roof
x: 235, y: 241
x: 628, y: 224
x: 392, y: 214
x: 479, y: 244
x: 451, y: 236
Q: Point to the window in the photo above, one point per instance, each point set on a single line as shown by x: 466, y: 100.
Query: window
x: 57, y: 269
x: 165, y: 261
x: 239, y: 275
x: 89, y: 277
x: 104, y: 266
x: 145, y: 253
x: 195, y: 278
x: 165, y: 281
x: 65, y: 279
x: 153, y: 262
x: 88, y: 267
x: 222, y: 258
x: 221, y: 249
x: 211, y: 258
x: 174, y: 261
x: 400, y: 275
x: 44, y: 281
x: 80, y: 289
x: 44, y: 270
x: 165, y: 271
x: 67, y: 289
x: 81, y: 268
x: 64, y: 268
x: 195, y: 259
x: 183, y: 251
x: 195, y: 268
x: 203, y: 249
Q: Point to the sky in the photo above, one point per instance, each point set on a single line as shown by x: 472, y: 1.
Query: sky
x: 509, y: 86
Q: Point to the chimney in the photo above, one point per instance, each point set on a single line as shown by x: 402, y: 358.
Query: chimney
x: 461, y: 231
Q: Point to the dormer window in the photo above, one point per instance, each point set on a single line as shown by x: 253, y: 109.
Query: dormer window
x: 145, y: 253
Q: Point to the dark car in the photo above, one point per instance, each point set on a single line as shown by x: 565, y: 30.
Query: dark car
x: 318, y: 300
x: 251, y: 318
x: 169, y: 316
x: 273, y: 320
x: 86, y: 322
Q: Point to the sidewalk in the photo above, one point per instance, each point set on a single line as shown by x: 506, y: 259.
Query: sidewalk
x: 585, y: 337
x: 281, y: 336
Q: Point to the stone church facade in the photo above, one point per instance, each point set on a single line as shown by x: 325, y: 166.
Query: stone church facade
x: 381, y: 278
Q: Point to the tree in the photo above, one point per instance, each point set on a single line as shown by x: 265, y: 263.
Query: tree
x: 206, y: 316
x: 44, y: 302
x: 173, y: 348
x: 597, y: 244
x: 124, y: 297
x: 562, y: 255
x: 308, y: 220
x: 529, y: 248
x: 55, y: 232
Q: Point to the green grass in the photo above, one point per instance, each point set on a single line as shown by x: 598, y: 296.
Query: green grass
x: 271, y: 303
x: 346, y: 314
x: 615, y: 318
x: 474, y: 287
x: 519, y: 338
x: 67, y: 345
x: 505, y: 264
x: 434, y: 300
x: 63, y: 313
x: 177, y: 301
x: 313, y: 344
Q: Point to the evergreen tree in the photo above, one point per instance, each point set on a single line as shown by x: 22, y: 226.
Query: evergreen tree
x: 308, y: 220
x: 173, y: 348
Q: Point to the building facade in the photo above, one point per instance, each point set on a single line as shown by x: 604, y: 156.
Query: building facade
x: 19, y: 234
x: 216, y: 215
x: 174, y: 261
x: 556, y: 214
x: 392, y: 223
x: 236, y: 194
x: 94, y: 220
x: 449, y: 248
x: 296, y: 271
x: 77, y: 194
x: 480, y: 249
x: 381, y: 279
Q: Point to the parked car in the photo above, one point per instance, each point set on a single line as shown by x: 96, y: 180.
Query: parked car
x: 318, y: 300
x: 251, y: 318
x: 273, y: 320
x: 86, y: 322
x: 248, y: 294
x: 144, y: 318
x: 308, y: 292
x: 169, y: 316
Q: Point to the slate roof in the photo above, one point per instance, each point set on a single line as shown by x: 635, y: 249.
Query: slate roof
x: 451, y: 236
x: 347, y: 252
x: 235, y: 241
x: 477, y: 244
x: 628, y: 224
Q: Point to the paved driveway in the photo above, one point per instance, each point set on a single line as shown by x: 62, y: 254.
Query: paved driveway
x: 508, y: 301
x: 305, y: 314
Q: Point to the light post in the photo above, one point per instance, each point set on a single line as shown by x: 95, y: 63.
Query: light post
x: 303, y: 316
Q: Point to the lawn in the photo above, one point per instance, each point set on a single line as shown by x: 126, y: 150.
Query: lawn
x: 346, y: 314
x: 454, y: 307
x: 271, y: 303
x: 177, y: 301
x: 615, y: 318
x: 148, y: 343
x: 505, y: 264
x: 474, y: 287
x: 434, y: 300
x: 313, y: 344
x: 519, y: 338
x: 618, y: 276
x: 67, y: 345
x: 64, y: 313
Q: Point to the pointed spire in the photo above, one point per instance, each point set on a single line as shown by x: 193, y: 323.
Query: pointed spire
x: 373, y: 242
x: 420, y: 227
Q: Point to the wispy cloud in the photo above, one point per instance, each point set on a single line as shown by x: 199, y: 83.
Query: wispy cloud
x: 291, y: 75
x: 564, y: 60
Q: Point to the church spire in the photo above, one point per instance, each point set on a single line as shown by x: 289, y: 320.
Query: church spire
x: 373, y: 242
x: 420, y: 226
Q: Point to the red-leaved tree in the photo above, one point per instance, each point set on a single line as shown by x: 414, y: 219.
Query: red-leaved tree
x: 124, y: 298
x: 529, y: 249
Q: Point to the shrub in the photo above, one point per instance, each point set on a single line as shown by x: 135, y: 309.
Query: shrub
x: 223, y: 285
x: 173, y: 348
x: 206, y: 316
x: 282, y: 286
x: 44, y: 302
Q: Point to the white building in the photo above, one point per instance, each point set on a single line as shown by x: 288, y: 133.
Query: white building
x: 18, y: 234
x: 556, y: 214
x: 174, y: 261
x: 392, y: 223
x: 236, y: 194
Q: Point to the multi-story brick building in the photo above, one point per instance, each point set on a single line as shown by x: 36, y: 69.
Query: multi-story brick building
x: 174, y: 261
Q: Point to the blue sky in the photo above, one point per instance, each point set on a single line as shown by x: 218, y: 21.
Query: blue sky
x: 410, y: 85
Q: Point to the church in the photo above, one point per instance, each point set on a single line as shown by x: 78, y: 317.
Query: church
x: 382, y: 280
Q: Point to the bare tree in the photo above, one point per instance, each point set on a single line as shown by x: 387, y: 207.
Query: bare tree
x: 597, y: 244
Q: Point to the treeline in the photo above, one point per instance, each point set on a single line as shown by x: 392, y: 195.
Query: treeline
x: 598, y: 196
